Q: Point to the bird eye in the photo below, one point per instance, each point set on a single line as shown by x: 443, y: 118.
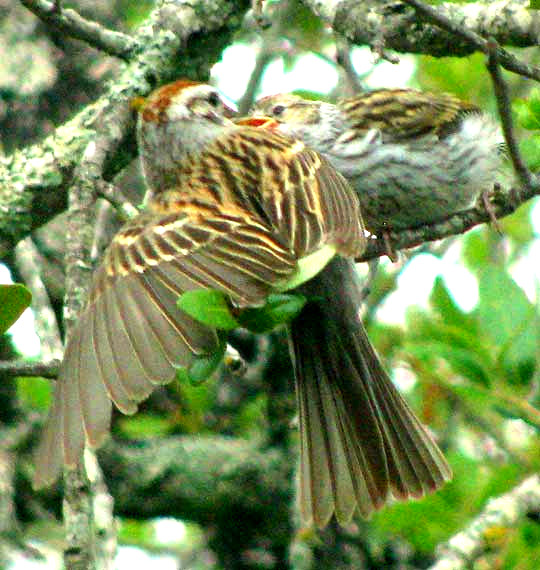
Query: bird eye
x: 278, y: 110
x: 214, y: 99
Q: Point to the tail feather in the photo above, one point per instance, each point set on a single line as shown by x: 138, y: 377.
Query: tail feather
x: 360, y: 441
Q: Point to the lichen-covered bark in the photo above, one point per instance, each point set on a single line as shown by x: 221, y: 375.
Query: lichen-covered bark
x: 240, y: 491
x: 509, y: 22
x: 179, y: 39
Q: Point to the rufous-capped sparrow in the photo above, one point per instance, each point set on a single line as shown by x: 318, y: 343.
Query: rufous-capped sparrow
x: 248, y: 212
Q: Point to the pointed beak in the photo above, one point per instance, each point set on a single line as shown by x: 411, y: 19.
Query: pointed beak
x: 229, y: 112
x: 137, y: 103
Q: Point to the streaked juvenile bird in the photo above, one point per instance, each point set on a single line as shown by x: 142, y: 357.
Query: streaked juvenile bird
x: 248, y: 212
x: 413, y: 157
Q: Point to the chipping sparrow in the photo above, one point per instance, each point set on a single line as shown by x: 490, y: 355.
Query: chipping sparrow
x: 245, y: 211
x: 413, y: 157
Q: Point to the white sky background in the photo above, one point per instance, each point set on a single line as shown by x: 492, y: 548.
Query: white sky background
x: 310, y: 72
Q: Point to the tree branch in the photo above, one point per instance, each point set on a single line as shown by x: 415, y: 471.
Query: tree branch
x: 458, y: 223
x: 175, y: 31
x: 505, y: 113
x: 72, y: 24
x: 501, y: 513
x: 510, y: 23
x: 30, y: 265
x: 200, y: 479
x: 175, y: 40
x: 24, y: 368
x: 453, y: 26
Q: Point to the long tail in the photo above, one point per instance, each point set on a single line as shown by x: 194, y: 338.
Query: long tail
x: 360, y: 440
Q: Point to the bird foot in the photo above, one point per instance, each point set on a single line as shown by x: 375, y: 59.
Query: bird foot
x: 487, y: 197
x: 388, y: 249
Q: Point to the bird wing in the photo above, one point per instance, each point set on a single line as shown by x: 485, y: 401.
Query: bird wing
x: 131, y: 335
x: 238, y: 225
x: 401, y: 114
x: 300, y: 196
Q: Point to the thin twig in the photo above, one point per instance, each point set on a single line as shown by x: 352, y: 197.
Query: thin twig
x: 30, y: 265
x: 15, y: 368
x: 343, y: 59
x: 74, y: 25
x: 264, y: 57
x: 124, y: 208
x: 503, y: 105
x: 506, y: 59
x: 495, y: 56
x: 378, y: 48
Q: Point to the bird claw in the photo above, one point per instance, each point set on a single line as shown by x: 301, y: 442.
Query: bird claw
x: 488, y: 197
x: 388, y: 249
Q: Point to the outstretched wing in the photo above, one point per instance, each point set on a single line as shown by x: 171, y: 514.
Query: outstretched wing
x: 131, y: 335
x: 239, y: 222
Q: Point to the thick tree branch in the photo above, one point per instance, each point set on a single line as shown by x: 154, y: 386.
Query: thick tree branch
x: 501, y: 513
x: 74, y: 25
x: 241, y: 491
x: 445, y: 22
x: 174, y: 32
x: 398, y: 26
x: 200, y: 479
x: 109, y: 125
x: 33, y: 181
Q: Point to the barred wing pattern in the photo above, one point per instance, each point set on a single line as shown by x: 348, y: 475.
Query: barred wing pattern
x: 403, y: 114
x: 280, y: 183
x: 238, y: 222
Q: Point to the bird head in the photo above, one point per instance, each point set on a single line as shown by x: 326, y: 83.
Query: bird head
x: 173, y: 121
x: 308, y: 120
x: 288, y: 108
x: 183, y: 100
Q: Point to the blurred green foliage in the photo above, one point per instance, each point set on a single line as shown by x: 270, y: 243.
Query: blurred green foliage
x: 527, y: 113
x: 14, y: 299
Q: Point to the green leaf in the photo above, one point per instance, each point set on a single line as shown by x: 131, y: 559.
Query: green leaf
x: 202, y: 367
x: 475, y: 250
x: 279, y: 309
x: 465, y: 77
x: 510, y: 320
x: 311, y: 95
x: 530, y: 149
x: 441, y: 300
x: 14, y: 299
x: 519, y: 228
x: 475, y: 397
x: 527, y: 114
x: 534, y: 4
x: 34, y: 393
x: 145, y: 426
x: 209, y: 307
x: 464, y: 362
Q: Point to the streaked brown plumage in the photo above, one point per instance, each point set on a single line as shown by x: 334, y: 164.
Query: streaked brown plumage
x: 236, y: 209
x: 401, y: 114
x: 413, y: 157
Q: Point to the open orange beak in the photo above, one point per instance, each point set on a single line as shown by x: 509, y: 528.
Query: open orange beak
x: 261, y: 121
